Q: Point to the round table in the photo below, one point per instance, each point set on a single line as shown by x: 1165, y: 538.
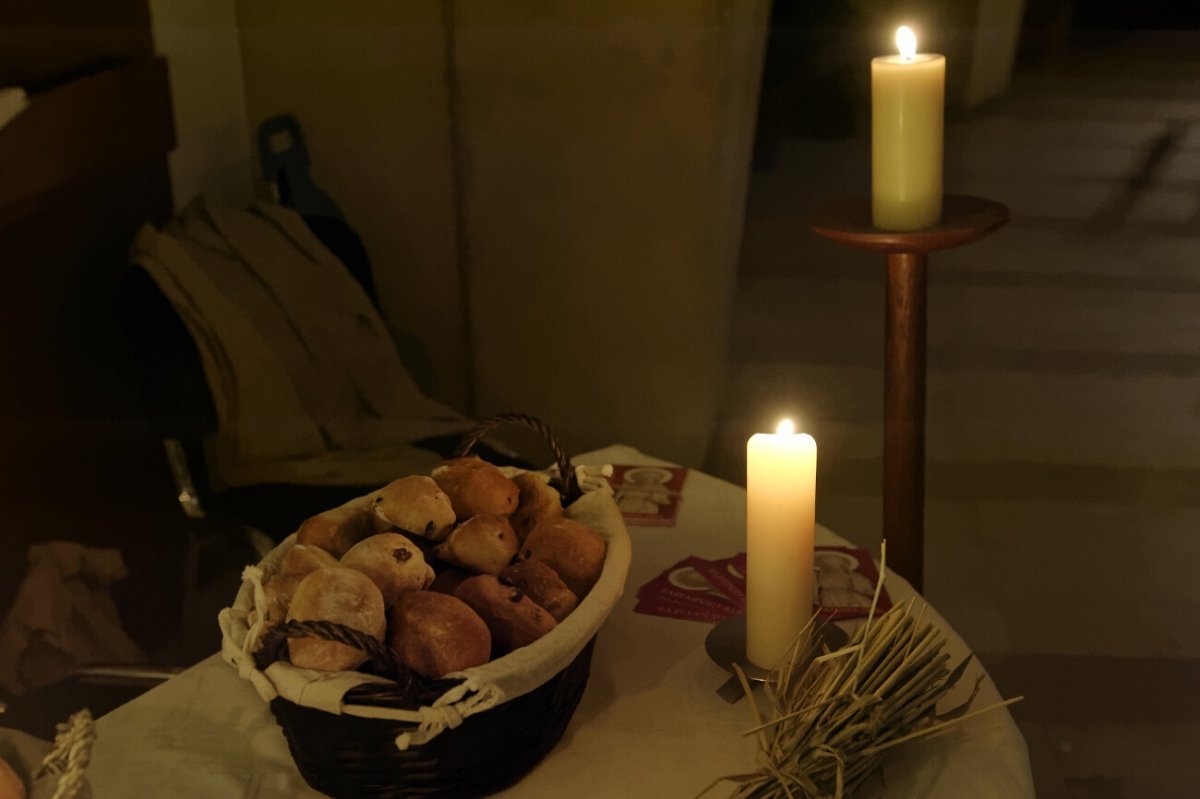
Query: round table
x: 650, y: 723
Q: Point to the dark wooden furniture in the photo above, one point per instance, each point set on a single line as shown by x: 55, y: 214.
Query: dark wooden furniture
x: 848, y: 221
x: 84, y: 166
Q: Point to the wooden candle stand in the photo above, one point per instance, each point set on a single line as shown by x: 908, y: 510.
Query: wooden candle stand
x: 848, y: 221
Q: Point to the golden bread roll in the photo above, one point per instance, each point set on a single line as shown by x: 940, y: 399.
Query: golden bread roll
x: 574, y: 551
x: 415, y: 505
x: 295, y: 564
x: 435, y: 634
x: 393, y: 562
x: 11, y: 786
x: 543, y: 585
x: 339, y: 595
x: 537, y: 501
x: 476, y: 487
x: 336, y: 530
x: 513, y: 619
x: 482, y: 544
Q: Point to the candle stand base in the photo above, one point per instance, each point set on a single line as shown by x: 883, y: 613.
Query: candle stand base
x: 726, y: 645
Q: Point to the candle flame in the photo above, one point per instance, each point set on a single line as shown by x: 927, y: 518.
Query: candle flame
x: 785, y: 428
x: 906, y: 42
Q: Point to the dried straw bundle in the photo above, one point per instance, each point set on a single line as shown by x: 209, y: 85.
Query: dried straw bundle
x: 834, y: 714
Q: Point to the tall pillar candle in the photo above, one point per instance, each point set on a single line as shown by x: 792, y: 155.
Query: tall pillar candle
x: 781, y: 472
x: 907, y: 119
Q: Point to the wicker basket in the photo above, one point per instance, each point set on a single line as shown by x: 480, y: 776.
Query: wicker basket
x: 469, y: 735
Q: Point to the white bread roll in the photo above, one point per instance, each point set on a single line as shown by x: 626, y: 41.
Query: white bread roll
x: 393, y: 562
x: 414, y: 505
x: 296, y: 564
x: 339, y: 595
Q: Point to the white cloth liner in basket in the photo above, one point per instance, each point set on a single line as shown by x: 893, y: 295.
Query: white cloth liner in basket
x: 482, y: 687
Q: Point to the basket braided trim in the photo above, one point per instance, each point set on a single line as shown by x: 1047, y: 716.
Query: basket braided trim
x: 410, y: 687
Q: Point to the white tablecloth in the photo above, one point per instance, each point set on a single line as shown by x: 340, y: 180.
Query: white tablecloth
x: 650, y: 723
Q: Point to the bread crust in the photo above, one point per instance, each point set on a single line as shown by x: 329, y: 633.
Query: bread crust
x: 476, y: 487
x: 571, y: 549
x: 513, y: 618
x: 543, y: 585
x: 336, y: 530
x: 434, y: 634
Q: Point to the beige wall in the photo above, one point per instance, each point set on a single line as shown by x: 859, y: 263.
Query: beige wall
x: 365, y: 80
x: 200, y: 40
x: 608, y: 153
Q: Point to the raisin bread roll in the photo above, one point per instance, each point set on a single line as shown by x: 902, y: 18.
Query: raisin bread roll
x: 476, y: 487
x: 339, y: 595
x: 414, y: 505
x: 543, y: 585
x: 513, y: 619
x: 435, y: 634
x: 537, y: 501
x: 574, y: 551
x: 336, y: 530
x: 393, y: 562
x: 482, y: 544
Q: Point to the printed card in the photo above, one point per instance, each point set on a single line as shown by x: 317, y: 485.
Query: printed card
x: 648, y: 496
x: 713, y: 590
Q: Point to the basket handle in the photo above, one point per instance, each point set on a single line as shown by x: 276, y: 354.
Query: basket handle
x: 381, y: 654
x: 566, y: 481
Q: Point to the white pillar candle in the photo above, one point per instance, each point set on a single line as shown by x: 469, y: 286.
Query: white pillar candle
x: 907, y: 98
x: 781, y: 473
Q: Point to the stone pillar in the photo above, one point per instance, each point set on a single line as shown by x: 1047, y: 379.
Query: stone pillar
x: 604, y: 153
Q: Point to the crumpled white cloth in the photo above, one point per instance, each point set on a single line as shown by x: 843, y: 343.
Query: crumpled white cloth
x: 63, y: 617
x: 482, y: 687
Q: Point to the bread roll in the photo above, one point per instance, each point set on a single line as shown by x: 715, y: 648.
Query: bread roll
x: 513, y: 619
x: 393, y: 562
x: 11, y: 786
x: 339, y: 595
x: 304, y: 558
x: 574, y: 551
x: 336, y: 530
x: 296, y: 563
x: 543, y: 585
x: 415, y: 505
x: 476, y: 487
x: 435, y: 634
x: 449, y: 579
x: 537, y: 501
x: 482, y: 544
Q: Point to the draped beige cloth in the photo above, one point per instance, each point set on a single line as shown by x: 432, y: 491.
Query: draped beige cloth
x: 307, y: 382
